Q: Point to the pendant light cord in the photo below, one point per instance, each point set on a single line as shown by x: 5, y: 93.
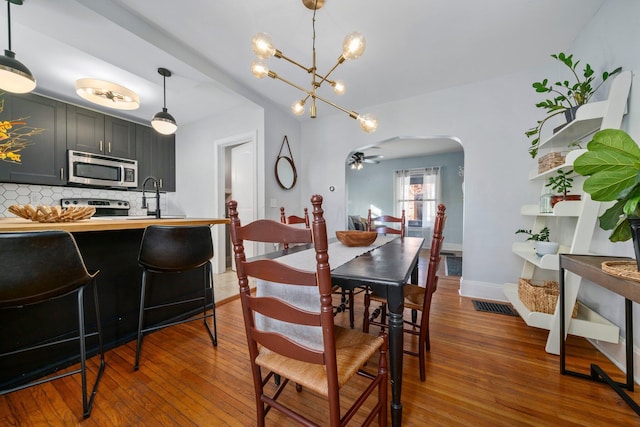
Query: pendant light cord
x: 9, y: 21
x: 164, y: 91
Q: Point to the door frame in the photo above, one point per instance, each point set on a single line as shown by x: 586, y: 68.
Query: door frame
x: 220, y: 161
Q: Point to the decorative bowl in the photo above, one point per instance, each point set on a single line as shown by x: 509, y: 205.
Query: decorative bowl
x: 356, y: 237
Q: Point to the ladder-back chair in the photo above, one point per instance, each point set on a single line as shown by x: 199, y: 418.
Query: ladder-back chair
x: 383, y: 224
x: 340, y: 353
x: 416, y: 297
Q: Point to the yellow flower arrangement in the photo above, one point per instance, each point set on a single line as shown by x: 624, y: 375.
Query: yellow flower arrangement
x: 14, y: 137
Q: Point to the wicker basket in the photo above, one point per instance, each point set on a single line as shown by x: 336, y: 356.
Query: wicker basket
x: 550, y: 161
x: 541, y: 297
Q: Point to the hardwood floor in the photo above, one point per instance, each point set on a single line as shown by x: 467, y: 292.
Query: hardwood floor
x: 483, y: 369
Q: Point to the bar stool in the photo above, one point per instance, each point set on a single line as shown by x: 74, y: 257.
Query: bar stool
x: 38, y: 267
x: 175, y: 249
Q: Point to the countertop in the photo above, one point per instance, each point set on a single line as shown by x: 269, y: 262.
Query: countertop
x: 103, y: 223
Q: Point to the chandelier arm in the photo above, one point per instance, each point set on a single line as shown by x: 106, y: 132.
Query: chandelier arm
x: 276, y: 76
x: 325, y: 78
x: 351, y: 114
x: 279, y: 54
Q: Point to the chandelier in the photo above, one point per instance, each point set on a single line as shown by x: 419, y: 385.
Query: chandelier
x: 352, y: 48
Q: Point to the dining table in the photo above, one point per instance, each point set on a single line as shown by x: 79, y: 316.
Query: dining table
x: 384, y: 267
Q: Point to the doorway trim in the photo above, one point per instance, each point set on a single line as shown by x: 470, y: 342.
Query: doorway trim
x: 220, y: 160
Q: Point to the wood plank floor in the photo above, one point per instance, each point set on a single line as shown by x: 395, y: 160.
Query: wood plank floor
x: 483, y: 369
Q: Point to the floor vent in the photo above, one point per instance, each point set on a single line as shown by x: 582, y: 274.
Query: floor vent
x: 494, y: 307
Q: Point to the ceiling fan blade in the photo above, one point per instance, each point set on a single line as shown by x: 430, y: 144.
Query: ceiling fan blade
x: 377, y: 156
x: 375, y: 162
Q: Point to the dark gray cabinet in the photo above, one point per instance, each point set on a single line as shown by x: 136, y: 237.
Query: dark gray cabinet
x: 43, y: 161
x: 156, y: 155
x: 97, y: 133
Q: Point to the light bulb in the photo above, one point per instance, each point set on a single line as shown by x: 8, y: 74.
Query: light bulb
x: 368, y: 123
x: 353, y: 46
x: 338, y: 87
x: 359, y: 166
x: 259, y: 69
x: 298, y: 108
x: 263, y: 45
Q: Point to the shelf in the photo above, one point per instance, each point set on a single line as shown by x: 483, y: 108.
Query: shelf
x: 561, y: 209
x: 587, y: 122
x: 526, y: 251
x: 568, y: 164
x: 588, y: 323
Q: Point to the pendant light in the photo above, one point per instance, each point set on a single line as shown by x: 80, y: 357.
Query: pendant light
x: 14, y: 76
x: 164, y: 122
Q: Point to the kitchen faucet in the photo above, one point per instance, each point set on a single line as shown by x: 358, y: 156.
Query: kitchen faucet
x: 156, y: 183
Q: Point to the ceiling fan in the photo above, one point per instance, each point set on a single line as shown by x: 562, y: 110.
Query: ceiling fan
x: 358, y: 158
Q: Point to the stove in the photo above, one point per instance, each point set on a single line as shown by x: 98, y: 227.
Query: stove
x: 104, y: 207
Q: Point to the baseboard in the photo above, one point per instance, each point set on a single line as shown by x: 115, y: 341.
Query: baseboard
x: 482, y: 290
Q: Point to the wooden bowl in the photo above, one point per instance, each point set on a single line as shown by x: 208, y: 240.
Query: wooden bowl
x: 356, y: 237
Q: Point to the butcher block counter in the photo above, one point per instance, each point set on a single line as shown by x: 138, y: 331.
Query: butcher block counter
x: 103, y: 223
x: 110, y: 245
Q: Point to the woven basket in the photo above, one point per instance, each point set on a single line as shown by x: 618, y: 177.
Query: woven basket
x: 550, y: 161
x: 541, y: 297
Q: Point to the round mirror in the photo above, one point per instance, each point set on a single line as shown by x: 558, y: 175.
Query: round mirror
x: 286, y: 172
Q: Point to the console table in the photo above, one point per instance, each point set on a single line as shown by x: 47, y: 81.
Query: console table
x: 590, y: 267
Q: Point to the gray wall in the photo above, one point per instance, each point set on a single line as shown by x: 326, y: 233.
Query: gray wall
x: 373, y: 185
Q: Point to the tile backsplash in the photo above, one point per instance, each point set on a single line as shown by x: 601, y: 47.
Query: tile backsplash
x: 21, y: 194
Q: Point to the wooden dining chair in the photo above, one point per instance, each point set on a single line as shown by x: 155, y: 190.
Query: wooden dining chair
x: 346, y: 296
x: 381, y: 224
x: 293, y: 219
x: 416, y: 297
x: 322, y: 367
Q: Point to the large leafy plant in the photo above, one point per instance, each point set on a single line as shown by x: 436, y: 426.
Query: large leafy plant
x: 612, y: 164
x: 565, y: 94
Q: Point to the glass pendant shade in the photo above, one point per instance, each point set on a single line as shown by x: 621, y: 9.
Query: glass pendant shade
x: 259, y: 69
x: 164, y: 123
x: 263, y: 45
x: 353, y: 46
x: 368, y: 123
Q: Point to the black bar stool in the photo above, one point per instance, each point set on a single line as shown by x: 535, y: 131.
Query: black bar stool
x: 38, y: 267
x: 175, y: 249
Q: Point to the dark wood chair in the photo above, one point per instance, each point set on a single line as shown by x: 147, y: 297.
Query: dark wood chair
x: 38, y: 267
x: 416, y: 297
x: 293, y: 219
x: 384, y: 226
x: 340, y: 353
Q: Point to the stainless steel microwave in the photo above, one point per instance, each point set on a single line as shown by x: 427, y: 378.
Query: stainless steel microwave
x: 102, y: 171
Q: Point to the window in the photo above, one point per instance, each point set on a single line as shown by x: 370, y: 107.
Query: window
x: 417, y: 191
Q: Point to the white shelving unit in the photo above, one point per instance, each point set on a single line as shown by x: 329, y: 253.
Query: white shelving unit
x: 581, y: 215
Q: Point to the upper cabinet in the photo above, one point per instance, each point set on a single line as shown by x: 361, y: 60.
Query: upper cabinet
x: 156, y: 155
x: 97, y: 133
x: 42, y: 121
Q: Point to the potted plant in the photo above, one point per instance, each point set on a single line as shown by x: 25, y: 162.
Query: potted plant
x: 567, y: 96
x: 612, y: 165
x: 562, y: 184
x: 542, y: 244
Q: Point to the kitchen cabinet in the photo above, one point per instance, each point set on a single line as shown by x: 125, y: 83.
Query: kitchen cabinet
x: 43, y: 161
x: 572, y: 223
x: 156, y: 155
x: 98, y: 133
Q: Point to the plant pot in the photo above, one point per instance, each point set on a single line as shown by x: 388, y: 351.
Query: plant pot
x: 561, y: 198
x: 570, y: 113
x: 546, y: 248
x: 634, y: 224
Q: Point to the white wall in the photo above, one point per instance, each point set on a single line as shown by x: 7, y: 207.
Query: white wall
x: 488, y: 117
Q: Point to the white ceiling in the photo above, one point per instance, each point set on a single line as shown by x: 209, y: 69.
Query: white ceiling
x: 413, y: 47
